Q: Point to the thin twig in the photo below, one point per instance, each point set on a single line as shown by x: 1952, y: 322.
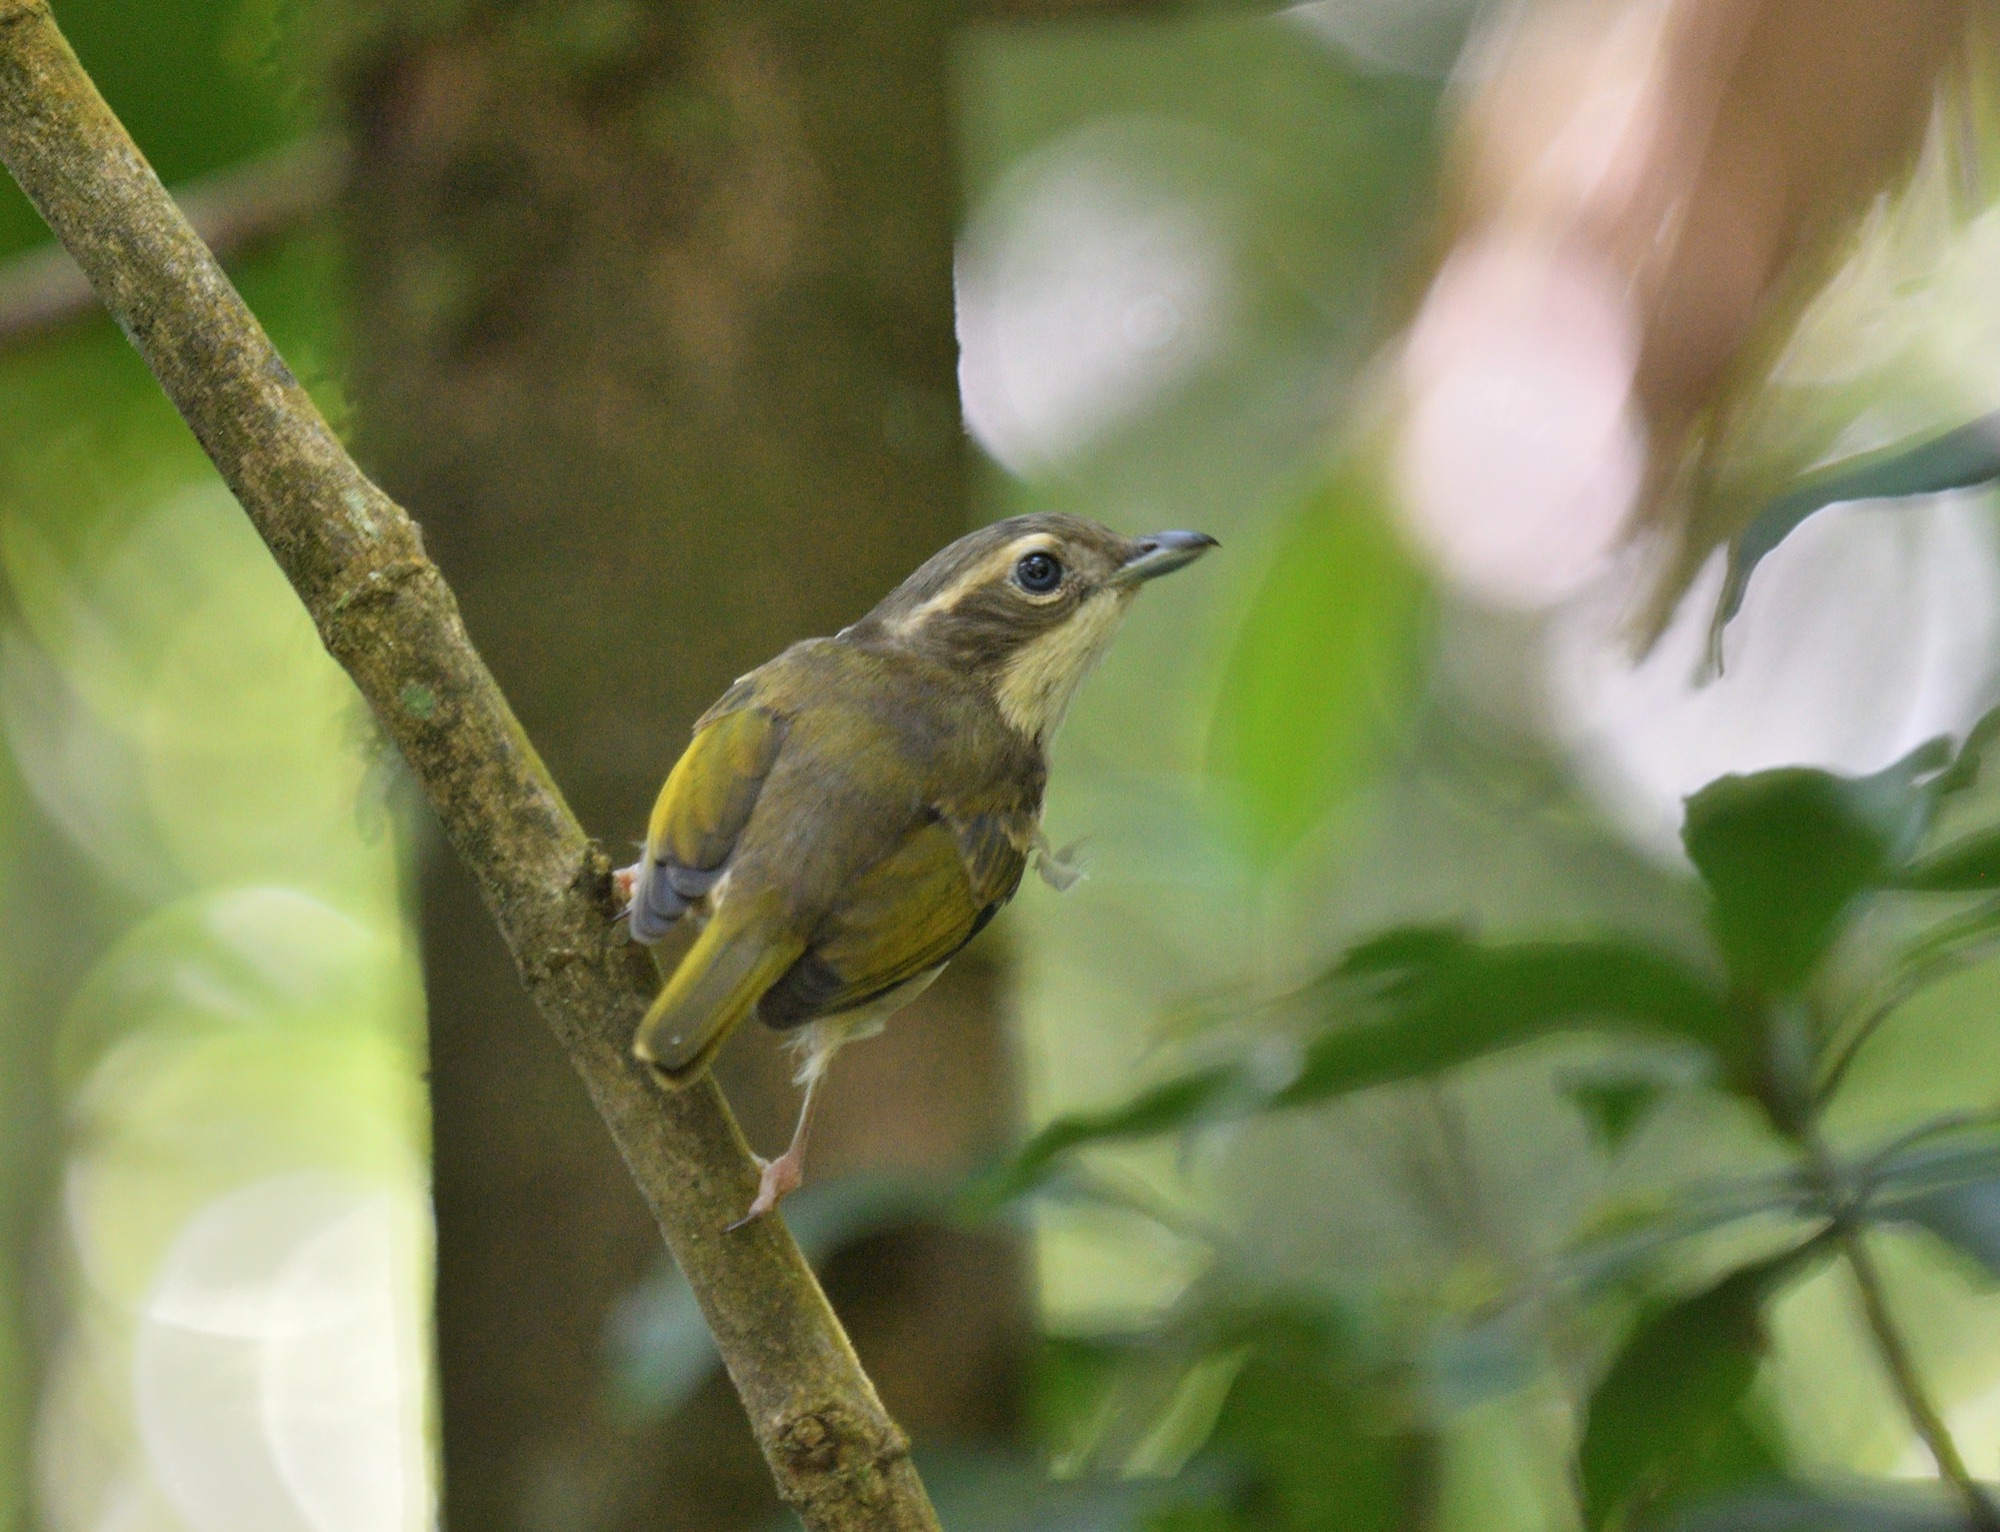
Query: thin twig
x: 357, y: 562
x: 1869, y: 1174
x: 1856, y: 1040
x: 1118, y: 1187
x: 1954, y: 945
x: 1925, y: 1417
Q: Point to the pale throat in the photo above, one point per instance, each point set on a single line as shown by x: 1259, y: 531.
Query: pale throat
x: 1039, y: 680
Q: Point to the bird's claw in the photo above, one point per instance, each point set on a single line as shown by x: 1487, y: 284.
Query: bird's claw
x: 1061, y: 870
x: 779, y: 1179
x: 623, y: 881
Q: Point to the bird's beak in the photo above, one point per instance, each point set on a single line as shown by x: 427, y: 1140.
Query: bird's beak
x: 1161, y: 553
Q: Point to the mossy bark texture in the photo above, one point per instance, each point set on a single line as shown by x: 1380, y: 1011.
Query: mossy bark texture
x: 357, y: 562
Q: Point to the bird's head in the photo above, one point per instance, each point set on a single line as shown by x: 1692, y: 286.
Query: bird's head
x: 1027, y: 606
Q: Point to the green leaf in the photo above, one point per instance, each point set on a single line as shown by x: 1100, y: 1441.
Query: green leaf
x: 1310, y: 1435
x: 1963, y: 772
x: 1670, y: 1419
x: 1786, y: 853
x: 1958, y: 459
x: 1414, y: 1002
x: 1940, y: 1176
x: 1628, y: 1241
x: 1177, y: 1103
x: 1749, y: 1449
x: 1070, y: 1380
x: 1615, y: 1106
x: 1321, y: 665
x: 1967, y: 866
x: 1951, y: 1190
x: 1435, y: 999
x: 1965, y: 1217
x: 1966, y: 937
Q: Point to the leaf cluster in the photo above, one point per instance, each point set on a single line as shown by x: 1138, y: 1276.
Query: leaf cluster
x: 1321, y: 1426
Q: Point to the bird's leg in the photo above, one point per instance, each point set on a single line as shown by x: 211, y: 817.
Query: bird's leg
x: 781, y: 1177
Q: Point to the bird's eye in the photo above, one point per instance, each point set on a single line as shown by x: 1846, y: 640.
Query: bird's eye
x: 1038, y: 573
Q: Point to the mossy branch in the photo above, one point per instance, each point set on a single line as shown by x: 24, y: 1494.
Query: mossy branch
x: 357, y: 562
x: 230, y: 210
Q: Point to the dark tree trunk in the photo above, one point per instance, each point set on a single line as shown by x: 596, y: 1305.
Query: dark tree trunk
x: 655, y: 337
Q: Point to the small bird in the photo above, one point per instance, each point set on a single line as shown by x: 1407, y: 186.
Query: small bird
x: 852, y: 813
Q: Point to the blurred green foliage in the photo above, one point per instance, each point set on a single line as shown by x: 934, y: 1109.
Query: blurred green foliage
x: 249, y: 1009
x: 1325, y: 656
x: 202, y: 84
x: 1461, y: 1173
x: 1237, y: 716
x: 1486, y: 1175
x: 214, y: 1004
x: 1960, y: 458
x: 1674, y: 1418
x: 1792, y: 860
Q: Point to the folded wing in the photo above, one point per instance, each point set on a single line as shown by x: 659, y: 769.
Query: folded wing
x: 901, y: 918
x: 700, y: 812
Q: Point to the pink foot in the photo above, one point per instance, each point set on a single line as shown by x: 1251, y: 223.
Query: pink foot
x: 780, y: 1179
x: 622, y: 880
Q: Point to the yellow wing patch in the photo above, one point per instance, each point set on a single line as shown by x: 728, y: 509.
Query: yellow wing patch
x: 902, y: 917
x: 995, y: 848
x: 707, y: 800
x: 905, y: 914
x: 709, y: 794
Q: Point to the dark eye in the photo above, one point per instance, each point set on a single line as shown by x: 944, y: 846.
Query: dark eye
x: 1038, y: 573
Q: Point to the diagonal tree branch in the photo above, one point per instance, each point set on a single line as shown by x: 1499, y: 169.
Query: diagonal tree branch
x: 230, y: 210
x: 357, y: 562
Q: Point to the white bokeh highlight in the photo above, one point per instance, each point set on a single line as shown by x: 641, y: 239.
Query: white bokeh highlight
x: 1088, y: 289
x: 1873, y: 628
x: 1520, y: 451
x: 278, y: 1371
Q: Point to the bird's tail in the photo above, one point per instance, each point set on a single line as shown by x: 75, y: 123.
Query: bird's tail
x: 716, y: 985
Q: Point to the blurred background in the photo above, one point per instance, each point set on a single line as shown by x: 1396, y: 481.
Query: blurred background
x: 1475, y: 333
